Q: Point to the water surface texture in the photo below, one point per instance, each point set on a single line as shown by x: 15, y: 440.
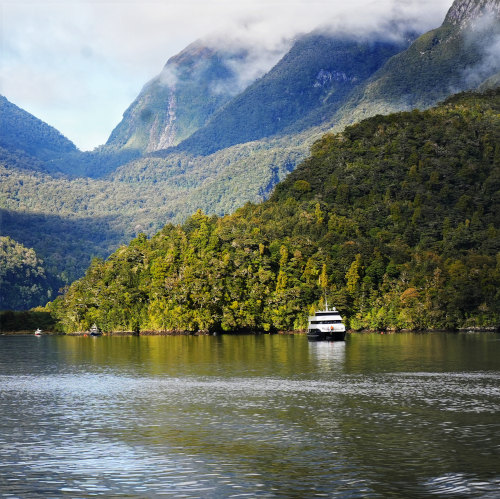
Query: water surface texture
x: 402, y: 415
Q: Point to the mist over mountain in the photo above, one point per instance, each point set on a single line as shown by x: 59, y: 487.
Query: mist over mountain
x: 459, y: 55
x: 192, y: 86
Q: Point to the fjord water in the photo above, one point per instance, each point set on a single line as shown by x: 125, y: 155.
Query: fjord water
x: 402, y: 415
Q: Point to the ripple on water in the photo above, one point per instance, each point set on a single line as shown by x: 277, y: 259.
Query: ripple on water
x: 462, y: 485
x: 348, y: 434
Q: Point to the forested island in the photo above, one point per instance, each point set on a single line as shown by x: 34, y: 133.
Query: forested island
x: 397, y: 219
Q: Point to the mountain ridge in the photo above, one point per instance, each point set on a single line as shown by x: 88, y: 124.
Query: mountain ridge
x: 449, y: 59
x: 319, y: 70
x: 23, y: 133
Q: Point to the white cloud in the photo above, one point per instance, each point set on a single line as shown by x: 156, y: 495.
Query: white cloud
x: 484, y: 36
x: 78, y: 64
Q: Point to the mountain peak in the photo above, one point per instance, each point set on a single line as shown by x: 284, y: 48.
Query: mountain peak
x: 463, y: 12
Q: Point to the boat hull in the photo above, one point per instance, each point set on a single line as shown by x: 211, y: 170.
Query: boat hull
x: 317, y: 335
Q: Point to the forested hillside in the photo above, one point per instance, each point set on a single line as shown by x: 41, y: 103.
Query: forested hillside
x: 396, y: 218
x: 21, y: 131
x: 23, y: 278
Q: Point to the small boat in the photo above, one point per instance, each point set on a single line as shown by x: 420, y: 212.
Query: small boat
x: 38, y: 332
x: 326, y: 325
x: 94, y: 331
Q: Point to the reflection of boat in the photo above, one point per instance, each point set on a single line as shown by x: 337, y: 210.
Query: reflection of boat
x: 38, y: 332
x: 94, y: 331
x: 326, y: 325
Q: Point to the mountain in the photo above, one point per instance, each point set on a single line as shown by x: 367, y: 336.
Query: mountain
x: 28, y: 142
x: 71, y: 206
x: 193, y: 85
x: 395, y: 219
x: 459, y: 55
x: 307, y: 85
x: 21, y: 131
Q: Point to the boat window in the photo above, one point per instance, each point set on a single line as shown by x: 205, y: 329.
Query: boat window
x: 327, y: 322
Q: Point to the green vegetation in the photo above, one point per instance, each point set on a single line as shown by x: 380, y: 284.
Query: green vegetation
x: 455, y: 57
x: 69, y: 221
x: 21, y: 131
x: 23, y: 279
x: 397, y: 217
x: 26, y: 321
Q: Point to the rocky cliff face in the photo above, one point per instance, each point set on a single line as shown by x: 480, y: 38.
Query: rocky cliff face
x: 465, y: 12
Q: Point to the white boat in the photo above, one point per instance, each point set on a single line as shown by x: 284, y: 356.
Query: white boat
x: 326, y: 325
x: 94, y: 331
x: 38, y: 332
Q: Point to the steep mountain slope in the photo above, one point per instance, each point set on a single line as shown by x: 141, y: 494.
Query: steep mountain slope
x: 21, y: 131
x: 316, y: 75
x: 396, y: 219
x: 192, y: 86
x: 28, y: 142
x: 459, y: 55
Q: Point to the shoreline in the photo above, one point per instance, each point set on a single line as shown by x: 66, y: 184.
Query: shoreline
x: 475, y: 329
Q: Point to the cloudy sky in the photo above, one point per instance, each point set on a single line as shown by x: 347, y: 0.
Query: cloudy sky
x: 78, y: 64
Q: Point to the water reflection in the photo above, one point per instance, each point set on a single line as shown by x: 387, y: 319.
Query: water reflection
x: 328, y: 356
x: 270, y: 416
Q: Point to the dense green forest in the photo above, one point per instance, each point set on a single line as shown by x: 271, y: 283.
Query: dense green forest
x: 24, y: 281
x: 21, y: 131
x: 397, y: 219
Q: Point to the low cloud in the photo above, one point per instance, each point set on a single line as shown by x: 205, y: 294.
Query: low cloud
x: 483, y: 36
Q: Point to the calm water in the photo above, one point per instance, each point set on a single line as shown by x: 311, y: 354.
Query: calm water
x: 403, y: 415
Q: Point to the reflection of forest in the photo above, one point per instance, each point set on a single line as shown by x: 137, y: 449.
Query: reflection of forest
x: 224, y: 355
x: 403, y: 415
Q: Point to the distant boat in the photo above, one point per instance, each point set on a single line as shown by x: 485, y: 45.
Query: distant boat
x: 326, y: 325
x: 94, y: 331
x: 38, y: 332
